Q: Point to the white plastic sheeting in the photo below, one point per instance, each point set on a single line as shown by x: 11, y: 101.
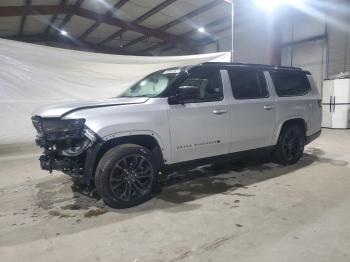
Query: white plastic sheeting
x: 33, y: 75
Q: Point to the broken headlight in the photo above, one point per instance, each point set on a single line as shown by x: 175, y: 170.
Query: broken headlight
x: 76, y: 147
x: 62, y: 125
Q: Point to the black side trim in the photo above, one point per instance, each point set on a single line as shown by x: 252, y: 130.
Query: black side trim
x: 89, y: 162
x: 341, y: 104
x: 259, y: 66
x: 216, y: 159
x: 311, y: 138
x: 97, y: 106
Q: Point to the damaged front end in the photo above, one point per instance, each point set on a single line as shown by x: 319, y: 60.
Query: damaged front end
x: 65, y: 143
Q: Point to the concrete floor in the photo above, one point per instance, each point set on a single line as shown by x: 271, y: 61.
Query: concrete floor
x: 246, y: 211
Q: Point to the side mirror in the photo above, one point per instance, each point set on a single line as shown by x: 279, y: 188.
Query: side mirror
x: 183, y: 94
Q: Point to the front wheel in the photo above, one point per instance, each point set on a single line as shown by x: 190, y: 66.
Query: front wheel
x: 126, y: 176
x: 290, y: 145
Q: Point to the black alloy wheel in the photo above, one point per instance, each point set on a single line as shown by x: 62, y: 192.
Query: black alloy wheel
x: 131, y: 177
x: 126, y: 176
x: 290, y: 146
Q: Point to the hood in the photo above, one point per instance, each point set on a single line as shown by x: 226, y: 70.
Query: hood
x: 62, y: 109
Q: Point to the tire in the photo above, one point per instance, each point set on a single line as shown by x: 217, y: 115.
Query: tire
x: 290, y: 145
x: 126, y: 176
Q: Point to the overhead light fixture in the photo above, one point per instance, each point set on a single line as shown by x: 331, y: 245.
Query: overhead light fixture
x: 268, y: 5
x: 201, y: 30
x: 271, y: 5
x: 63, y: 32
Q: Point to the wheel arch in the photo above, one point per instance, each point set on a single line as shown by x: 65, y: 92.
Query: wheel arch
x: 147, y: 140
x: 293, y: 120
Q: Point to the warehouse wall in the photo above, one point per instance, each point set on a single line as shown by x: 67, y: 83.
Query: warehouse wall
x: 303, y: 37
x: 251, y: 35
x: 339, y: 38
x: 305, y: 43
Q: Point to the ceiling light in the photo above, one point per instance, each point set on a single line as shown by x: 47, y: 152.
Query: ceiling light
x: 201, y: 30
x: 271, y: 5
x: 63, y: 32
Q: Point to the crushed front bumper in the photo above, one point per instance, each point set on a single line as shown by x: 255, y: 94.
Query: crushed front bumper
x: 65, y: 151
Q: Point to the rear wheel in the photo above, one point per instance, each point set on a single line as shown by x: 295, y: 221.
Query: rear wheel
x: 290, y: 145
x: 126, y: 176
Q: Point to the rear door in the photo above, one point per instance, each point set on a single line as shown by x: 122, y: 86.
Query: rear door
x: 253, y: 111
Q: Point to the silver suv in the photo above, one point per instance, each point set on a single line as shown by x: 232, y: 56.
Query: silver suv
x: 178, y: 117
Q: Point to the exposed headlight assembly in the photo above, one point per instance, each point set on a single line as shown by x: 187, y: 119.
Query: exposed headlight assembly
x: 62, y: 125
x: 81, y: 145
x: 77, y: 148
x: 37, y: 124
x: 69, y: 137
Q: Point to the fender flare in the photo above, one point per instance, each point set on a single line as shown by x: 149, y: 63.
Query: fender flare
x: 282, y: 122
x: 140, y: 132
x: 93, y: 153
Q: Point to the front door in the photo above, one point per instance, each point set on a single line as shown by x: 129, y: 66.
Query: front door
x: 201, y: 127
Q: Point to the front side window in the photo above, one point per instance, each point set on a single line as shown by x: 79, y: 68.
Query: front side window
x: 290, y: 83
x: 208, y: 82
x: 152, y: 85
x: 248, y: 84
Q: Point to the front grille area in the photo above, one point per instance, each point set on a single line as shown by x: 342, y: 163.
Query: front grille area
x: 62, y: 150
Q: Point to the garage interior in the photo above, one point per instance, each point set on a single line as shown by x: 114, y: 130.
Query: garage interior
x: 246, y: 210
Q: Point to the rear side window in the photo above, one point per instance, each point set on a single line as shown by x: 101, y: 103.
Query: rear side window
x: 290, y: 84
x: 248, y: 84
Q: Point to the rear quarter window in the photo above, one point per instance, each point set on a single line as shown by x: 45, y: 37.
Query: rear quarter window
x: 290, y: 83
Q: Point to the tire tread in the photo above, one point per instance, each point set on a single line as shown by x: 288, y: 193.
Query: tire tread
x: 106, y: 162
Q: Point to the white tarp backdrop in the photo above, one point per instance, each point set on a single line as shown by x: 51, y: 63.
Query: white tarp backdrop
x: 33, y: 75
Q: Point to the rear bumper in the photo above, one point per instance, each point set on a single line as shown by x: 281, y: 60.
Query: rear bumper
x: 311, y: 138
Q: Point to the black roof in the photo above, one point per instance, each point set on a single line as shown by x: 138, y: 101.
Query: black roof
x: 256, y: 66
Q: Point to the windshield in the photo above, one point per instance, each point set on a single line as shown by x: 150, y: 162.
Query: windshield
x: 152, y: 85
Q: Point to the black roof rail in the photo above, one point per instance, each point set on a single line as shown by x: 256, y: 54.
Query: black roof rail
x: 261, y: 66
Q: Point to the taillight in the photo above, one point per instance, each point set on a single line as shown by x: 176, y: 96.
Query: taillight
x: 319, y: 103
